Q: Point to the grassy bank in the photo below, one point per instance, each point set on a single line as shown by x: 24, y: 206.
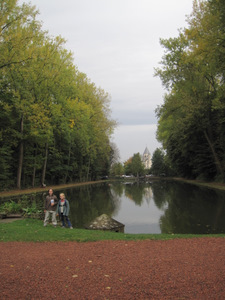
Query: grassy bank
x: 211, y: 185
x: 45, y: 189
x: 30, y: 230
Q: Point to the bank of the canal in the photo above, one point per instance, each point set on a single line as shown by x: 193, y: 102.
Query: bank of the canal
x: 8, y: 193
x: 45, y: 189
x: 211, y: 185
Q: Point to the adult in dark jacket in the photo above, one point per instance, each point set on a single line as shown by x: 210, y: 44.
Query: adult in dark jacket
x: 51, y: 202
x: 63, y: 209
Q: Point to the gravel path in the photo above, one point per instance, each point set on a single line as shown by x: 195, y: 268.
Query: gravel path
x: 174, y: 269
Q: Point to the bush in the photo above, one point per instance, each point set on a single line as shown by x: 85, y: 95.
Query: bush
x: 23, y: 206
x: 11, y: 207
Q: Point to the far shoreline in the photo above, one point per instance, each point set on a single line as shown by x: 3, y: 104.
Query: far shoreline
x: 34, y: 190
x: 16, y: 192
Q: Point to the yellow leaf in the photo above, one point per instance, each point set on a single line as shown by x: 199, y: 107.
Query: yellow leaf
x: 74, y: 276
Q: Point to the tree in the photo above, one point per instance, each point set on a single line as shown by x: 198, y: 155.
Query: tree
x: 117, y: 169
x: 158, y: 163
x: 191, y: 122
x: 115, y: 154
x: 55, y: 123
x: 134, y: 165
x: 20, y: 33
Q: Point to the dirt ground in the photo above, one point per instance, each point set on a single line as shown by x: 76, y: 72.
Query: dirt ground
x: 9, y: 220
x: 174, y: 269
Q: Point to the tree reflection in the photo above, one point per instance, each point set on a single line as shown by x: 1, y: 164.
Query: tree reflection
x: 186, y: 208
x: 192, y: 210
x: 89, y: 202
x: 138, y: 192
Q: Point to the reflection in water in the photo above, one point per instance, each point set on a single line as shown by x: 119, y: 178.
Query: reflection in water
x: 138, y: 193
x: 89, y: 202
x: 129, y: 204
x: 138, y: 211
x: 154, y: 207
x: 193, y: 210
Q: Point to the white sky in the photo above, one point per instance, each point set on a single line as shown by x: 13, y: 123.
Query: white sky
x: 116, y: 44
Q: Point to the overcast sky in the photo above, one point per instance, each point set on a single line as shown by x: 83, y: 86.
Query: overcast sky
x: 116, y: 44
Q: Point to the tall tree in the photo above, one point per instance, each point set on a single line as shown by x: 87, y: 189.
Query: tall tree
x: 135, y: 165
x: 55, y: 123
x: 191, y: 122
x: 158, y: 163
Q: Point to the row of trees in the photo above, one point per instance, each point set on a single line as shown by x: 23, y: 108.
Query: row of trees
x: 134, y: 166
x: 191, y: 122
x: 55, y: 123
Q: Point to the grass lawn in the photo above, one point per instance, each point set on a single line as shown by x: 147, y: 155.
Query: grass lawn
x: 31, y: 230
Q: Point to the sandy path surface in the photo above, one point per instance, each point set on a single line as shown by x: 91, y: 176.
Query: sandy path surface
x: 175, y: 269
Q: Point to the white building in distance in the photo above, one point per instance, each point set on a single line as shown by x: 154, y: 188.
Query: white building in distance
x: 146, y: 159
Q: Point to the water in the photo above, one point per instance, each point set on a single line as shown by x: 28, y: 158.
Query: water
x: 153, y: 207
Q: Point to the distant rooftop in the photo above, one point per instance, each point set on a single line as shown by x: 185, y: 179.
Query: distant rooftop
x: 146, y: 151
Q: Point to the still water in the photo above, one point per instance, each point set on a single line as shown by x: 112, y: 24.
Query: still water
x: 154, y: 207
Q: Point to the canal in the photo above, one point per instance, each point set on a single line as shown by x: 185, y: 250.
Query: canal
x: 152, y: 207
x: 155, y: 207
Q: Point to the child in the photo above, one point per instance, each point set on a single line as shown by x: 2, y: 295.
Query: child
x: 50, y: 207
x: 63, y: 209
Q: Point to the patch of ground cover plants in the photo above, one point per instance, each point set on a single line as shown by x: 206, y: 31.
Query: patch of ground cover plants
x: 32, y: 230
x: 26, y: 207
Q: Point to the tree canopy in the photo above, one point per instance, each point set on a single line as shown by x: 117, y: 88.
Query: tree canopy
x: 55, y: 123
x: 191, y: 122
x: 134, y: 165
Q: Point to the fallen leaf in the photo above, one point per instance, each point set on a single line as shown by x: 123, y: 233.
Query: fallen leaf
x: 108, y: 288
x: 90, y: 261
x: 11, y: 266
x: 74, y: 276
x: 67, y: 268
x: 106, y: 275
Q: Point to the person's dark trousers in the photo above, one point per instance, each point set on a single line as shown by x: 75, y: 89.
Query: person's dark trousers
x: 67, y: 220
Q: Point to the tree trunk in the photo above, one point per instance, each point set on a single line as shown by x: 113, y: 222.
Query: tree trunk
x: 44, y: 165
x: 68, y: 163
x: 88, y: 169
x: 34, y: 168
x: 20, y: 164
x: 215, y: 156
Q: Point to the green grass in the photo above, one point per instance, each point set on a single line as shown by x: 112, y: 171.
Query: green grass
x: 31, y: 230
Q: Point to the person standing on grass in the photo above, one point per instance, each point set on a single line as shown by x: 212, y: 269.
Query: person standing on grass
x: 63, y: 209
x: 51, y: 202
